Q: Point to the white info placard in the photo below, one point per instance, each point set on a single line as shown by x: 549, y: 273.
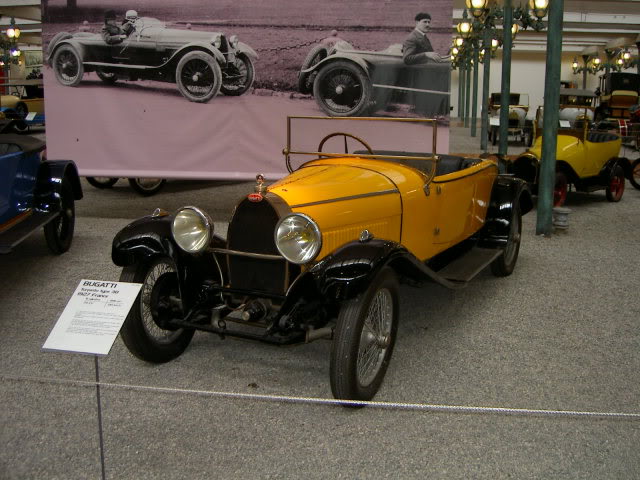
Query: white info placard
x: 93, y: 317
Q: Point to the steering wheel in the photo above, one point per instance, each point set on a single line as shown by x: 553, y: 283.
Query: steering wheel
x: 345, y: 135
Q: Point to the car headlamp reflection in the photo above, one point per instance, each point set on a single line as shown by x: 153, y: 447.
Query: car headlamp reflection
x: 298, y: 238
x: 192, y: 229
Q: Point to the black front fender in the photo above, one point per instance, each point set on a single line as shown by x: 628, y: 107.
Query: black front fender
x: 349, y: 270
x: 150, y: 237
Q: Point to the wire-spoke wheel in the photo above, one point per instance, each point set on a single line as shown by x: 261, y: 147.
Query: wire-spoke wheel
x: 560, y: 189
x: 364, y: 338
x: 343, y: 89
x: 67, y: 66
x: 147, y: 186
x: 635, y: 174
x: 198, y: 76
x: 615, y: 189
x: 146, y: 331
x: 238, y: 77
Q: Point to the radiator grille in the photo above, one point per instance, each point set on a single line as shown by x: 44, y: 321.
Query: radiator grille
x: 251, y: 230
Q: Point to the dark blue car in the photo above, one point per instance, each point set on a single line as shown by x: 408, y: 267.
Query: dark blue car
x: 34, y: 193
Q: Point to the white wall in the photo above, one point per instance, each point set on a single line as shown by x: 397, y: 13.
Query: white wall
x: 527, y: 76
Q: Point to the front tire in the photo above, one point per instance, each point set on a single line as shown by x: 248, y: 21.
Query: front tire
x: 503, y: 265
x: 615, y: 189
x: 147, y: 186
x: 67, y: 66
x: 364, y: 338
x: 343, y: 89
x: 246, y: 75
x: 198, y: 76
x: 143, y: 331
x: 635, y: 174
x: 59, y: 232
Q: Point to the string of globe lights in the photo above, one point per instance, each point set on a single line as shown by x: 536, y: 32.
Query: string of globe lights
x: 9, y: 45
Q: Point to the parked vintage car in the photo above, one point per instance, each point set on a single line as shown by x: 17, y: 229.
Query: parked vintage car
x: 34, y: 193
x: 518, y: 110
x: 618, y: 91
x: 586, y: 158
x: 576, y: 106
x: 350, y: 82
x: 319, y: 253
x: 201, y: 63
x: 22, y: 106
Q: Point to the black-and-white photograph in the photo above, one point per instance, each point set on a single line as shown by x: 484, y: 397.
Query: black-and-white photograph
x: 163, y: 78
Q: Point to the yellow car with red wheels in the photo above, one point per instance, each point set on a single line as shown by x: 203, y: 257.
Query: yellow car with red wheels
x: 320, y: 253
x: 585, y: 158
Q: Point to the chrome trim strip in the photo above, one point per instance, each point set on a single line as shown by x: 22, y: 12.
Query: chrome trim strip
x: 261, y: 256
x: 350, y: 197
x: 408, y: 89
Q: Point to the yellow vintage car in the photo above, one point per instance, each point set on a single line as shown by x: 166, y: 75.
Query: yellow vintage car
x: 22, y: 106
x: 320, y: 253
x: 586, y: 158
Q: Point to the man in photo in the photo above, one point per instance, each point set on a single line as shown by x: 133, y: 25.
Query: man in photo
x: 417, y: 48
x: 112, y: 33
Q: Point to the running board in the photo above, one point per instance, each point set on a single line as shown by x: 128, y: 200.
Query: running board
x: 466, y: 267
x: 17, y: 233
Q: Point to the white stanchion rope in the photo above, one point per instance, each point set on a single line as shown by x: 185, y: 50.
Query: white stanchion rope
x: 331, y: 401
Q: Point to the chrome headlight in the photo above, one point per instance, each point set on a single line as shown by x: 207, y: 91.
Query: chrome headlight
x: 298, y: 238
x: 233, y: 41
x: 192, y: 229
x: 216, y: 41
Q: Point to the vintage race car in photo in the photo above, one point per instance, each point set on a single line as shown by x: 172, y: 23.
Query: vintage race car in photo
x: 35, y: 193
x: 200, y: 63
x: 585, y: 158
x: 350, y: 82
x: 320, y: 253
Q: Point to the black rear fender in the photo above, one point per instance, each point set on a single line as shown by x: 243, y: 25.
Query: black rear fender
x: 507, y: 193
x: 608, y: 168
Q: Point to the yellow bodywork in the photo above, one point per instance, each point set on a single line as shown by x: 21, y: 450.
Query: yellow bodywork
x: 33, y: 104
x: 585, y: 157
x: 345, y: 196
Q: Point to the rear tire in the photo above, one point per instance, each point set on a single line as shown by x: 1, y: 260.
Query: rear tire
x: 615, y: 189
x: 159, y: 300
x: 503, y: 265
x: 560, y: 189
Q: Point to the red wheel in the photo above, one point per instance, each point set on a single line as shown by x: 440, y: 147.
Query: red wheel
x: 616, y: 184
x: 560, y: 189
